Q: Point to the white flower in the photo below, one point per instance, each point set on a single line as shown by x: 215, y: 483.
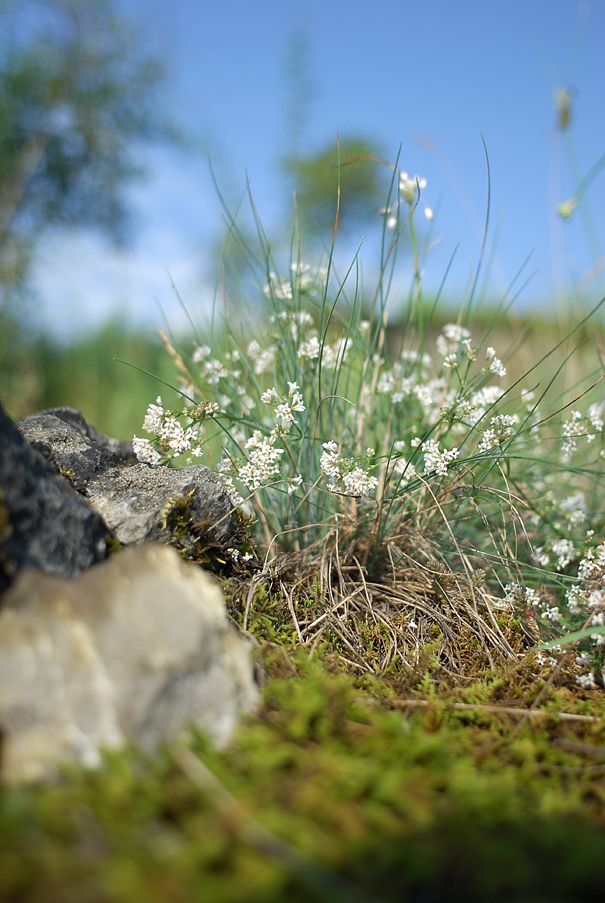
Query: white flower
x: 595, y: 417
x: 572, y: 430
x: 263, y: 461
x: 358, y: 482
x: 502, y: 427
x: 280, y: 289
x: 436, y: 461
x: 284, y: 416
x: 482, y: 400
x: 269, y: 396
x: 145, y: 452
x: 541, y: 556
x: 200, y: 353
x: 294, y: 483
x: 495, y: 364
x: 309, y: 349
x: 213, y: 371
x: 551, y: 613
x: 344, y: 475
x: 575, y: 509
x: 329, y: 462
x: 453, y: 340
x: 410, y: 187
x: 174, y: 436
x: 586, y: 681
x: 334, y: 355
x: 262, y: 360
x: 575, y: 599
x: 295, y: 396
x: 596, y: 598
x: 515, y: 594
x: 153, y: 418
x: 428, y: 213
x: 565, y: 551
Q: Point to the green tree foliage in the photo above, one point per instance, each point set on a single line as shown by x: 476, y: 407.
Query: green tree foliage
x: 76, y: 99
x: 353, y: 164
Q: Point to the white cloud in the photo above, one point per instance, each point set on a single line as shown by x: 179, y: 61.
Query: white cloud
x: 80, y: 281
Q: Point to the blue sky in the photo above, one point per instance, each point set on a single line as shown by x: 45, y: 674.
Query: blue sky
x: 431, y: 76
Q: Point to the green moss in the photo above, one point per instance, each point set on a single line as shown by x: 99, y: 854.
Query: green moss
x: 368, y: 798
x: 190, y: 536
x: 113, y: 544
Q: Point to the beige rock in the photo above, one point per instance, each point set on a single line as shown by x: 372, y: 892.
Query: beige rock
x: 138, y: 647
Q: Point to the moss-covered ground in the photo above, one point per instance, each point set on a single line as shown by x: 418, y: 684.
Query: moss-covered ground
x: 340, y: 789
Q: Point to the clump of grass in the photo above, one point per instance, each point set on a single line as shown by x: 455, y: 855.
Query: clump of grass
x: 401, y: 495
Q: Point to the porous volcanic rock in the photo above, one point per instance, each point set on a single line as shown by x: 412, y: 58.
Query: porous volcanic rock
x: 75, y: 448
x: 44, y: 522
x: 138, y: 647
x: 188, y: 508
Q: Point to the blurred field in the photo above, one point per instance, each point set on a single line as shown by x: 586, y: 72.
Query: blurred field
x: 87, y: 373
x: 41, y: 372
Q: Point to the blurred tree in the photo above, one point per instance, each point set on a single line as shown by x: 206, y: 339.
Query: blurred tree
x: 314, y: 175
x: 76, y: 98
x: 354, y: 164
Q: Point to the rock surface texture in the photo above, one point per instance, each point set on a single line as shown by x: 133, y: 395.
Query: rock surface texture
x: 142, y: 503
x: 75, y: 448
x: 139, y: 503
x: 139, y: 647
x: 44, y: 522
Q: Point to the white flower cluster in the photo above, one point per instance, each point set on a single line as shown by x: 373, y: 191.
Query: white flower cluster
x: 435, y: 460
x: 262, y: 463
x: 573, y: 511
x: 285, y: 407
x: 409, y: 377
x: 410, y: 190
x: 495, y: 364
x: 502, y: 427
x: 303, y: 278
x: 410, y: 187
x: 563, y: 550
x: 515, y: 594
x: 332, y: 356
x: 278, y: 287
x: 263, y: 358
x: 586, y: 598
x: 396, y: 384
x: 213, y: 370
x: 454, y: 343
x: 345, y: 475
x: 263, y: 453
x: 236, y: 555
x: 473, y: 407
x: 581, y: 426
x: 171, y: 438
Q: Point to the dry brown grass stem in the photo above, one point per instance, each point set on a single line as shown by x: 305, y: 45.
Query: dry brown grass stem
x: 512, y: 711
x: 179, y: 363
x: 377, y: 615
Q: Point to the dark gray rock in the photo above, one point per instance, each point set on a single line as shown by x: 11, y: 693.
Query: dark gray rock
x: 74, y: 447
x: 44, y: 522
x: 187, y: 507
